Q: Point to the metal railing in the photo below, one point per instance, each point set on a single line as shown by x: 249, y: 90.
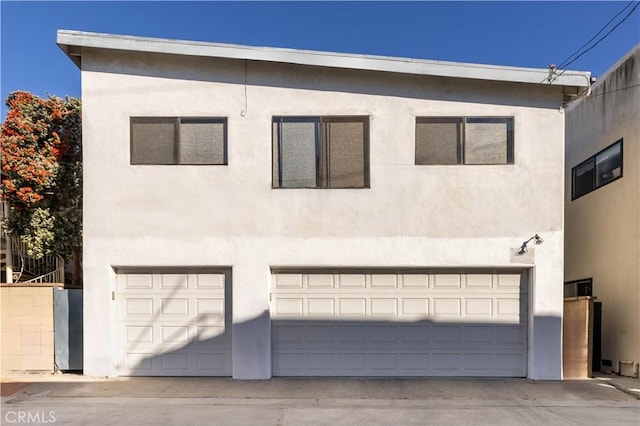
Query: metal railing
x: 47, y: 269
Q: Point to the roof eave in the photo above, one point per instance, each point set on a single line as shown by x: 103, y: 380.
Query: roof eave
x: 71, y: 42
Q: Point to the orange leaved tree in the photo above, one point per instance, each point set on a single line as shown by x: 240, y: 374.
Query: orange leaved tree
x: 42, y: 174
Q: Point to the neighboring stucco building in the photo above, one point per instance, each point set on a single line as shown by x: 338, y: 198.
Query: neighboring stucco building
x: 258, y: 212
x: 603, y: 206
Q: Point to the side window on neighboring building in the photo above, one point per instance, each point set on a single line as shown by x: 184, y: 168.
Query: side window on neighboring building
x: 321, y: 152
x: 597, y: 171
x: 464, y: 140
x: 178, y: 140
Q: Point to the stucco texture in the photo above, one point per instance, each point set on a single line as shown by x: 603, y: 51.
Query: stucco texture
x: 411, y: 216
x: 603, y: 227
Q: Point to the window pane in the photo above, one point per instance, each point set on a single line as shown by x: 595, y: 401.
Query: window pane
x: 608, y: 165
x: 201, y: 142
x: 346, y: 154
x: 486, y: 141
x: 583, y: 179
x: 438, y: 141
x: 297, y: 154
x: 153, y: 140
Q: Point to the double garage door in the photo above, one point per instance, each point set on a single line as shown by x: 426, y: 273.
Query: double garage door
x: 174, y: 324
x: 329, y: 324
x: 399, y: 324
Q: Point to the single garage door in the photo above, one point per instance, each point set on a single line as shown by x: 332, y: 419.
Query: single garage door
x: 399, y: 324
x: 174, y: 324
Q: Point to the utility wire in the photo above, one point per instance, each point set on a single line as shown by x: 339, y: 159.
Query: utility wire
x: 606, y: 35
x: 566, y: 64
x: 562, y: 64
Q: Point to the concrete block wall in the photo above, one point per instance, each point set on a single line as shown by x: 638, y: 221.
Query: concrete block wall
x: 26, y: 323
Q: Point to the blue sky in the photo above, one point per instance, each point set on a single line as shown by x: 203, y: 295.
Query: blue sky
x: 528, y: 34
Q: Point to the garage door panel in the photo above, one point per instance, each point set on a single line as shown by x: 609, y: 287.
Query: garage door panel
x: 399, y: 324
x: 383, y: 307
x: 447, y: 363
x: 210, y: 361
x: 320, y: 281
x: 288, y: 281
x: 175, y: 307
x: 478, y: 307
x: 210, y: 309
x: 139, y: 361
x: 478, y: 362
x: 173, y: 281
x: 414, y: 281
x: 383, y: 335
x: 412, y: 335
x: 447, y: 281
x: 321, y: 307
x: 351, y: 361
x: 510, y: 362
x: 384, y: 281
x: 351, y: 281
x: 508, y: 281
x: 290, y: 306
x: 352, y: 307
x: 138, y: 334
x: 206, y: 333
x: 414, y: 363
x: 288, y: 334
x: 135, y: 282
x: 351, y: 335
x: 174, y: 324
x: 446, y: 307
x: 414, y: 307
x: 320, y: 335
x: 209, y: 281
x: 320, y: 361
x: 478, y: 335
x: 138, y: 307
x: 513, y: 336
x: 478, y: 281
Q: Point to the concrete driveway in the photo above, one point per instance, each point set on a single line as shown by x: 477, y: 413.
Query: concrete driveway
x: 213, y: 401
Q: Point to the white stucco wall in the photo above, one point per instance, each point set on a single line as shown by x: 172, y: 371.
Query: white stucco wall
x: 603, y: 227
x: 411, y: 216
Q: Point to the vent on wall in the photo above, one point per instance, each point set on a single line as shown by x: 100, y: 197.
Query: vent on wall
x: 628, y: 368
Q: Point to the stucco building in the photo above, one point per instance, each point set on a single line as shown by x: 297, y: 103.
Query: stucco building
x: 257, y: 212
x: 603, y: 207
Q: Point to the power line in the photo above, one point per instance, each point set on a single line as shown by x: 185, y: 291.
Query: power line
x: 552, y: 78
x: 605, y: 36
x: 562, y: 64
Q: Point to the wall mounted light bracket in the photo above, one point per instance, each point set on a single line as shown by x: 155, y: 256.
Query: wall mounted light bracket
x: 537, y: 240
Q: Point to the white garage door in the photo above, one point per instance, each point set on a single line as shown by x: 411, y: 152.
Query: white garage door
x: 399, y: 324
x: 174, y: 324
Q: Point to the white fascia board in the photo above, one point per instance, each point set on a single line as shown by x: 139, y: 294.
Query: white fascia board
x: 68, y: 40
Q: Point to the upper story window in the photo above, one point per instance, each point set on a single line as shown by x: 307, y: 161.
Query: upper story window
x: 464, y: 140
x: 597, y: 171
x: 178, y: 140
x: 321, y: 152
